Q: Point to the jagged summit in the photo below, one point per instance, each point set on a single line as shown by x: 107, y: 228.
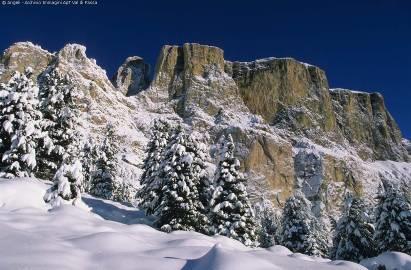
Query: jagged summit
x: 290, y: 127
x: 22, y: 54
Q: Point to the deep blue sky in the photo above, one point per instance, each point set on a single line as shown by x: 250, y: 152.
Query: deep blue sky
x: 362, y: 45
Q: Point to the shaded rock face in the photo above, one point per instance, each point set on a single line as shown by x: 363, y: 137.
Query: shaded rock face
x: 309, y: 168
x: 364, y: 119
x: 285, y: 92
x: 324, y: 178
x: 132, y: 77
x: 407, y: 144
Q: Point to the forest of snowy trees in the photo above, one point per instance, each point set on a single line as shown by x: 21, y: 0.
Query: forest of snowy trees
x: 181, y: 196
x: 40, y: 137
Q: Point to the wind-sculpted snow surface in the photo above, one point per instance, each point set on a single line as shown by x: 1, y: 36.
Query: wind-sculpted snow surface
x: 35, y: 237
x: 391, y: 261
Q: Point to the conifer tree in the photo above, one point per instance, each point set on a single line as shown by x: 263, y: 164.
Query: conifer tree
x: 57, y: 94
x: 68, y: 180
x: 150, y: 193
x: 19, y: 126
x: 301, y: 231
x: 105, y: 183
x: 269, y: 224
x: 182, y: 172
x: 393, y: 221
x: 89, y: 158
x: 353, y: 237
x: 231, y: 214
x: 64, y: 152
x: 67, y: 185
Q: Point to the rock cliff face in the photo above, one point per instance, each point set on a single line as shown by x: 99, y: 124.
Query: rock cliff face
x: 194, y: 76
x: 285, y: 92
x: 407, y: 144
x: 290, y: 129
x: 132, y: 77
x: 364, y: 119
x: 23, y: 54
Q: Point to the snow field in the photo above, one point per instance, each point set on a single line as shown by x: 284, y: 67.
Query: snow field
x: 33, y: 236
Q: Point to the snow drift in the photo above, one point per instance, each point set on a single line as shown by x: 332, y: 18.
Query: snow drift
x: 34, y: 236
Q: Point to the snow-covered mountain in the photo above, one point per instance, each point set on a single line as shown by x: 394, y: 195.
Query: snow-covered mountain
x: 290, y: 128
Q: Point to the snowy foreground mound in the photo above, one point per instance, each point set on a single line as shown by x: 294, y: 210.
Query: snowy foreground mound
x: 112, y: 236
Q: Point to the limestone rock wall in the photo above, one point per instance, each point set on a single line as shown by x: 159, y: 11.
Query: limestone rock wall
x: 21, y: 55
x: 364, y: 120
x: 194, y: 75
x: 286, y: 93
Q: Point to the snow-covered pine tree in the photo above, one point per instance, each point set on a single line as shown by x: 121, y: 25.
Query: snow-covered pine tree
x: 231, y: 214
x: 182, y: 172
x: 269, y: 222
x: 68, y: 180
x: 301, y: 231
x: 124, y: 192
x: 4, y: 140
x: 150, y: 193
x: 88, y: 160
x: 57, y: 94
x: 393, y: 221
x: 19, y: 126
x: 105, y: 182
x: 353, y: 240
x: 321, y: 231
x: 67, y: 185
x: 61, y: 120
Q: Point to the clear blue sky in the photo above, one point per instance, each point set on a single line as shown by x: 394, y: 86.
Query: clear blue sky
x: 362, y: 45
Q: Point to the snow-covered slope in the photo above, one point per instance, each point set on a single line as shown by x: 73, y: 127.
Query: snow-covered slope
x: 34, y: 237
x: 391, y: 261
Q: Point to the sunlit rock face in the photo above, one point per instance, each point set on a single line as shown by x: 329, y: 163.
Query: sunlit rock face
x: 21, y: 55
x: 285, y: 92
x: 193, y: 74
x: 364, y: 120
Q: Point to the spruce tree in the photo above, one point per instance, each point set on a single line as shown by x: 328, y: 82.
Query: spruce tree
x: 182, y: 172
x: 68, y: 179
x: 67, y: 185
x: 269, y: 224
x: 150, y: 193
x: 19, y: 126
x: 231, y: 214
x: 321, y: 233
x: 393, y: 221
x: 89, y: 158
x: 61, y: 122
x: 57, y: 94
x: 301, y: 231
x: 353, y: 240
x: 105, y: 183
